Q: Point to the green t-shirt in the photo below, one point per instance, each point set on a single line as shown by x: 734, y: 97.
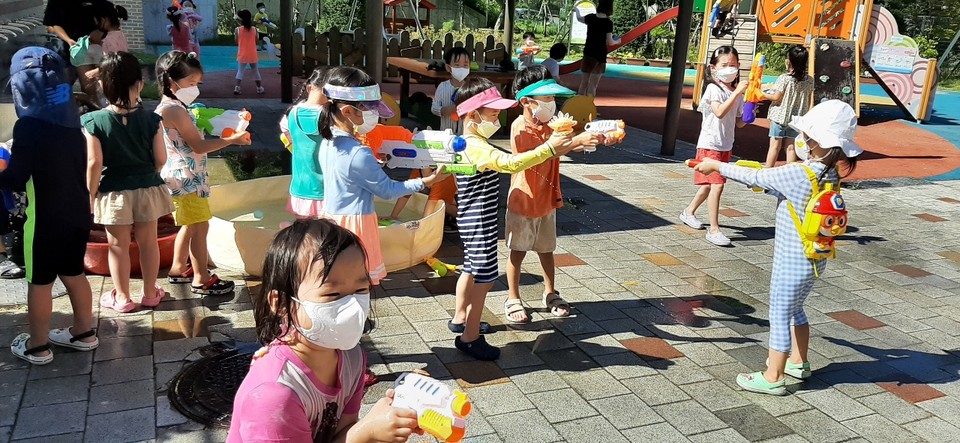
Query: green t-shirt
x: 127, y: 148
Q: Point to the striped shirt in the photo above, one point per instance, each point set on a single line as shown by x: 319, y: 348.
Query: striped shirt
x: 444, y: 97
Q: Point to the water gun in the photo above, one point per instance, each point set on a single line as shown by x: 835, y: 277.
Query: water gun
x: 5, y: 154
x: 405, y: 149
x: 269, y: 23
x: 529, y: 48
x: 754, y: 94
x: 441, y: 268
x: 752, y: 164
x: 440, y: 410
x: 715, y: 14
x: 615, y: 129
x: 222, y: 122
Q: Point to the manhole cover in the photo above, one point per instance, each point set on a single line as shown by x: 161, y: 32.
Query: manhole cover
x: 204, y: 390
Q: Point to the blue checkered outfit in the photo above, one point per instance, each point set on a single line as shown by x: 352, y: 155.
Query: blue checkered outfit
x: 793, y: 273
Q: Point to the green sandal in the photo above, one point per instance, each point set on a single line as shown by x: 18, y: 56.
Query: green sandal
x: 756, y: 382
x: 801, y: 371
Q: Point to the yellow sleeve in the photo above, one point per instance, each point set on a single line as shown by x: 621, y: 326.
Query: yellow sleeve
x: 488, y: 157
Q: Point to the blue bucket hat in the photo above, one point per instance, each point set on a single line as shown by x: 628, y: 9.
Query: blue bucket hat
x: 41, y: 84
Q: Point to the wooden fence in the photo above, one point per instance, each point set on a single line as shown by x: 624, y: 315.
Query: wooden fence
x: 335, y: 48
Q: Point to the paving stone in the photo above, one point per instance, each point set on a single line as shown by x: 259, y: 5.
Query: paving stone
x: 123, y: 426
x: 682, y: 371
x: 594, y: 384
x: 561, y: 405
x: 538, y: 379
x: 655, y: 390
x: 848, y: 382
x: 934, y: 429
x: 833, y: 403
x: 8, y: 409
x: 567, y: 360
x: 65, y: 363
x: 856, y: 320
x: 715, y: 395
x: 659, y: 432
x: 166, y: 415
x: 123, y: 347
x: 876, y: 428
x: 704, y: 354
x: 689, y: 417
x: 590, y: 429
x: 56, y: 390
x: 165, y: 373
x: 175, y: 350
x: 12, y: 382
x: 114, y: 327
x: 190, y: 433
x: 122, y: 370
x: 122, y: 396
x: 499, y: 399
x: 911, y: 392
x: 626, y: 411
x: 36, y: 422
x: 477, y: 373
x: 894, y: 408
x: 5, y: 434
x: 76, y: 437
x: 947, y: 408
x: 625, y: 365
x: 754, y: 423
x: 719, y: 436
x: 817, y: 427
x: 528, y: 426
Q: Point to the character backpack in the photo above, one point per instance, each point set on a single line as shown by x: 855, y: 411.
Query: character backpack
x: 824, y: 218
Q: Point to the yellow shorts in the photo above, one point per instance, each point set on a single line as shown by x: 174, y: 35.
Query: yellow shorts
x: 190, y: 209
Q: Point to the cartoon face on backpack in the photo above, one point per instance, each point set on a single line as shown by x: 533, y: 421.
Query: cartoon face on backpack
x: 829, y: 214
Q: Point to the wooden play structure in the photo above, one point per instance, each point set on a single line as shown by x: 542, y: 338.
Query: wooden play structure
x: 397, y: 24
x: 845, y: 37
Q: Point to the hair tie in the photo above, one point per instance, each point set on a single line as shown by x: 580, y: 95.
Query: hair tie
x: 191, y: 55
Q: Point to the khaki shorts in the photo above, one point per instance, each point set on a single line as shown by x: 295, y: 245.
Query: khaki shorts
x: 531, y: 234
x: 119, y: 208
x: 191, y: 209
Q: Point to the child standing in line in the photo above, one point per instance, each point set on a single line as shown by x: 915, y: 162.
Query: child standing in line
x: 178, y: 30
x: 721, y: 107
x: 457, y: 62
x: 125, y: 152
x: 185, y: 171
x: 558, y: 52
x: 351, y: 174
x: 790, y: 97
x: 306, y: 183
x: 310, y: 317
x: 535, y: 193
x: 527, y: 50
x: 246, y: 37
x: 48, y: 160
x: 114, y: 40
x: 192, y: 19
x: 825, y: 139
x: 479, y: 105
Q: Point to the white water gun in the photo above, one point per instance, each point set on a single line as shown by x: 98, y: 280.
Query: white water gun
x: 440, y: 410
x: 426, y: 148
x: 222, y: 122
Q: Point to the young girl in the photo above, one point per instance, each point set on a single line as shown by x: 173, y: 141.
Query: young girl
x: 185, y: 172
x: 305, y: 385
x: 351, y: 174
x: 721, y: 107
x: 599, y: 37
x: 192, y: 19
x: 826, y: 138
x: 790, y: 97
x: 125, y: 152
x: 114, y: 40
x: 178, y: 30
x: 479, y: 105
x: 246, y: 36
x: 300, y: 128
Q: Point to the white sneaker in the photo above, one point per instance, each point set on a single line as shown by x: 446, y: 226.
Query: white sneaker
x: 718, y: 238
x: 690, y: 220
x: 236, y: 90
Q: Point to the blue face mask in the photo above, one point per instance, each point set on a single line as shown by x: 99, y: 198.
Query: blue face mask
x: 41, y: 84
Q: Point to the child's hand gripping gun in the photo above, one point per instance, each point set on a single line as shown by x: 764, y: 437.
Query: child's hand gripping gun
x: 404, y: 149
x: 529, y: 48
x: 613, y: 131
x: 752, y: 164
x: 440, y: 410
x: 754, y: 94
x: 222, y: 122
x: 269, y: 23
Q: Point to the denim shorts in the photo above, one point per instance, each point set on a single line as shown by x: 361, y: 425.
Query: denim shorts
x: 782, y: 131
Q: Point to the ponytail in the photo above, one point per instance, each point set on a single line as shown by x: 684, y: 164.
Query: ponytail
x: 325, y: 120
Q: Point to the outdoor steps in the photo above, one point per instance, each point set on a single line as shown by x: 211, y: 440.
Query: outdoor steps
x: 744, y: 40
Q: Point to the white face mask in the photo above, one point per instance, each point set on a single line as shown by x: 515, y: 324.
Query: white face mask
x: 459, y: 73
x: 187, y: 9
x: 338, y: 324
x: 262, y: 10
x: 802, y: 147
x: 726, y: 75
x: 546, y: 111
x: 187, y: 95
x: 370, y: 120
x: 486, y: 129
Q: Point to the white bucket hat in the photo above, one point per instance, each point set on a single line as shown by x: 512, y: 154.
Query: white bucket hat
x: 831, y: 123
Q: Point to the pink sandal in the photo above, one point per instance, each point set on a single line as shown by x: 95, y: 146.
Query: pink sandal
x: 109, y: 300
x: 154, y: 301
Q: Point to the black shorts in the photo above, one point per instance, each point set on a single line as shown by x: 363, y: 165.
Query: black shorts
x: 56, y: 250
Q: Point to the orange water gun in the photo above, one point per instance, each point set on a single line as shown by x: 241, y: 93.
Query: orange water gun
x: 754, y: 94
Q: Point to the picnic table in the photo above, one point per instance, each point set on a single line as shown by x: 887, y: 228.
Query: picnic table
x: 419, y: 66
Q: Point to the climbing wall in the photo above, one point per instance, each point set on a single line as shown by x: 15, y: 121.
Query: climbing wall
x: 836, y: 64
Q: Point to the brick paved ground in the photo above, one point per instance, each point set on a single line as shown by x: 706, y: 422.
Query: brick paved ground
x: 662, y: 323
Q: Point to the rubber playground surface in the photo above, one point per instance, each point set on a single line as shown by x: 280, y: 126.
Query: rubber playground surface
x: 637, y: 94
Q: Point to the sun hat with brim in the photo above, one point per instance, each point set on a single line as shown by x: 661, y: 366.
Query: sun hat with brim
x: 489, y: 98
x: 40, y: 81
x: 548, y: 87
x: 367, y: 97
x: 832, y: 123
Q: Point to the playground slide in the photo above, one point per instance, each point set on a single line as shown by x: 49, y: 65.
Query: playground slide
x: 631, y: 35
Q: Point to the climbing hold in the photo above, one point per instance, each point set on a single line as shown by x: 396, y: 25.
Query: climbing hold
x: 845, y: 64
x: 824, y: 47
x: 824, y: 78
x: 258, y: 214
x: 846, y: 90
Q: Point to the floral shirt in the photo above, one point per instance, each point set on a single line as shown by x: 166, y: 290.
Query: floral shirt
x: 185, y: 171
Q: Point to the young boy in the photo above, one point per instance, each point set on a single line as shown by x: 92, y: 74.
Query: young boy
x: 457, y: 61
x: 48, y: 159
x: 261, y: 21
x: 558, y: 52
x: 527, y: 50
x: 534, y: 193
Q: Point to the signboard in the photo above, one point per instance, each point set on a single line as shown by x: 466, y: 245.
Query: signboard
x: 578, y: 30
x: 897, y: 55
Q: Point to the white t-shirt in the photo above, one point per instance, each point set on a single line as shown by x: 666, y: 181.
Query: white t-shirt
x: 717, y: 133
x: 553, y: 66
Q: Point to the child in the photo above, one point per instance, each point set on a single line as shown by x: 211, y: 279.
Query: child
x: 825, y: 138
x: 178, y: 30
x: 558, y: 52
x: 351, y: 174
x: 86, y: 54
x: 306, y: 183
x: 479, y: 105
x: 790, y: 97
x: 721, y: 107
x: 263, y: 21
x: 246, y: 37
x: 535, y: 193
x: 457, y: 62
x: 114, y: 40
x: 595, y: 48
x: 527, y: 50
x: 125, y: 152
x: 305, y: 384
x: 48, y: 159
x: 723, y: 27
x: 192, y: 19
x: 185, y: 171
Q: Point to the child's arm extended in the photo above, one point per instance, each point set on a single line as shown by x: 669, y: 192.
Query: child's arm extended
x: 178, y: 118
x: 777, y: 180
x: 486, y: 156
x: 371, y: 177
x: 94, y: 165
x: 159, y: 150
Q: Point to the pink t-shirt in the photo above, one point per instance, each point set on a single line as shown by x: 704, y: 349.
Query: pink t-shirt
x: 115, y: 41
x: 281, y: 399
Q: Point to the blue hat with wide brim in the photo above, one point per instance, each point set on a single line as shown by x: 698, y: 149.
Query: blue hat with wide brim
x: 41, y: 84
x: 547, y: 87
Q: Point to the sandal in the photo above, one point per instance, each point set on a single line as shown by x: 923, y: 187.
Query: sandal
x: 512, y: 306
x: 154, y: 301
x: 801, y: 371
x: 63, y: 337
x: 19, y: 349
x: 109, y: 300
x: 555, y: 304
x: 756, y: 382
x: 213, y: 287
x: 457, y: 328
x: 186, y: 277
